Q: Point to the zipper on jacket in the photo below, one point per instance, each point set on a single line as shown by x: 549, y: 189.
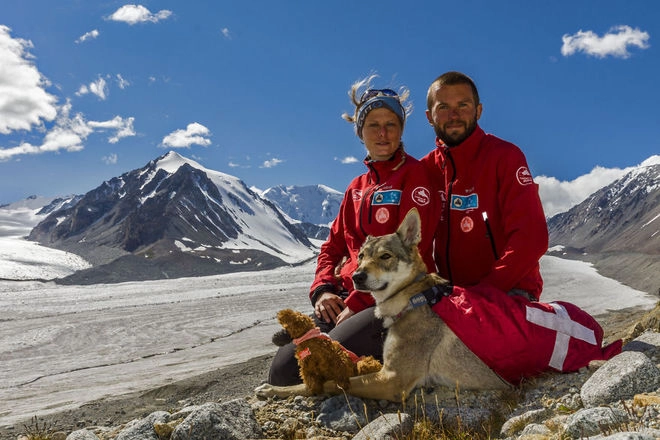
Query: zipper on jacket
x: 450, y: 189
x: 367, y: 196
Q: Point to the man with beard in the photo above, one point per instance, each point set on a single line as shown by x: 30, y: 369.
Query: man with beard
x: 492, y: 230
x: 490, y: 236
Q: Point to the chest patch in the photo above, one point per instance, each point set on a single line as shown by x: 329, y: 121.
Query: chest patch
x: 463, y: 203
x: 391, y: 197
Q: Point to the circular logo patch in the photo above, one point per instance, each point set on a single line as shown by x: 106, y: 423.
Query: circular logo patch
x: 524, y: 176
x: 467, y: 224
x: 421, y: 196
x: 382, y: 215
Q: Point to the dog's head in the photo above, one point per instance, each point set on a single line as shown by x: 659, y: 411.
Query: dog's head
x: 295, y: 323
x: 389, y: 262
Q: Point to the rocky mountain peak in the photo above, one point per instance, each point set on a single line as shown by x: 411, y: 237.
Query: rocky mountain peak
x: 174, y: 210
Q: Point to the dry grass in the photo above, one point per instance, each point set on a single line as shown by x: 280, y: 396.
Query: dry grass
x: 36, y: 431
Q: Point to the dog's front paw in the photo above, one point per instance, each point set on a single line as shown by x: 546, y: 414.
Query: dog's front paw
x: 264, y: 391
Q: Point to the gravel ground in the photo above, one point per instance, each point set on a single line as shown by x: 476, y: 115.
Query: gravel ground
x: 235, y: 381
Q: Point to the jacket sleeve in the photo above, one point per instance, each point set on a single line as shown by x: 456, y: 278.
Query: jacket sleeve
x: 524, y: 229
x: 330, y: 256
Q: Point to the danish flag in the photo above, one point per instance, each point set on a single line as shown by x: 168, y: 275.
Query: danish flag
x: 518, y: 338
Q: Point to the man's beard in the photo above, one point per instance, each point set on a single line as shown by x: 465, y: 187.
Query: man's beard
x: 453, y: 140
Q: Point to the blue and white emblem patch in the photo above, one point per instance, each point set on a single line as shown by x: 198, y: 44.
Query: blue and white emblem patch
x: 391, y: 197
x: 463, y: 203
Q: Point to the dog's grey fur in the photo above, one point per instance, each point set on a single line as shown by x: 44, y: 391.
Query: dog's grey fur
x: 419, y: 348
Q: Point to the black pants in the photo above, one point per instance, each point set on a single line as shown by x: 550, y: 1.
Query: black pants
x: 362, y: 333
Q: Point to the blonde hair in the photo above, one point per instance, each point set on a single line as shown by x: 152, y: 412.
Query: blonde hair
x: 360, y: 86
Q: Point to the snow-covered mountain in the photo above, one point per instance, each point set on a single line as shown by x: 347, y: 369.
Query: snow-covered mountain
x: 617, y: 228
x: 173, y: 218
x: 316, y: 204
x: 313, y: 208
x: 18, y: 218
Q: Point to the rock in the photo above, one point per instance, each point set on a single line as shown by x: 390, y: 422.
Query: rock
x: 629, y: 436
x: 514, y: 424
x: 593, y: 421
x: 647, y: 343
x: 144, y: 429
x: 387, y: 427
x: 219, y: 421
x: 82, y: 434
x: 622, y: 377
x: 342, y: 413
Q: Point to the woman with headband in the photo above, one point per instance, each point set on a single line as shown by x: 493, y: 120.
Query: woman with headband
x: 374, y: 203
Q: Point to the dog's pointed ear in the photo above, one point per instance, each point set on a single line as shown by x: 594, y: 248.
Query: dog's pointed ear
x: 410, y: 229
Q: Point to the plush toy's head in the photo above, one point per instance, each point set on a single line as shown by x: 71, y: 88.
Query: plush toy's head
x: 295, y: 323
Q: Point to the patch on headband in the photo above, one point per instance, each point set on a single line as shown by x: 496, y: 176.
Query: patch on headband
x: 389, y: 102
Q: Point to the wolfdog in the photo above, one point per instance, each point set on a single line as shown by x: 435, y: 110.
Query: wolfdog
x: 419, y: 348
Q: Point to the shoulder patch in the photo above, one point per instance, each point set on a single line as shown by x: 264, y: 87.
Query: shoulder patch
x: 524, y: 176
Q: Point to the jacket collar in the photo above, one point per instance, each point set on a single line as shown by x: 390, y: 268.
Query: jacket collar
x: 466, y: 150
x: 383, y: 168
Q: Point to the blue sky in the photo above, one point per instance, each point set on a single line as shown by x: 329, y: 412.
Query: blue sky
x: 90, y: 90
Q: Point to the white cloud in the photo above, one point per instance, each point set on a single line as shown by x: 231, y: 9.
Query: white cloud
x: 83, y: 90
x: 226, y: 33
x: 25, y: 105
x: 69, y: 134
x: 348, y: 160
x: 560, y: 196
x: 110, y: 159
x: 24, y: 102
x: 121, y: 82
x: 133, y: 14
x: 271, y: 163
x: 193, y: 134
x: 615, y: 43
x: 91, y: 34
x: 123, y: 127
x: 98, y: 88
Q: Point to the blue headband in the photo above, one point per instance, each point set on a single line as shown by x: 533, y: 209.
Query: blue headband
x: 389, y: 102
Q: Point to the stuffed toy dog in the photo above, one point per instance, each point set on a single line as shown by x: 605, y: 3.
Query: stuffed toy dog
x: 319, y: 357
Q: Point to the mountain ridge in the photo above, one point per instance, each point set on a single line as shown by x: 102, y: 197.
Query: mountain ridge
x: 179, y: 219
x: 617, y: 229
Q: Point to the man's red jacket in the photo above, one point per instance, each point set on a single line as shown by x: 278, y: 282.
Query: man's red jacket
x: 491, y: 235
x: 492, y: 228
x: 518, y: 338
x: 375, y: 203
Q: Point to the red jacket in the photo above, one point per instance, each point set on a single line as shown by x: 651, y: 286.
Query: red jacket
x: 515, y: 337
x: 375, y: 203
x: 518, y: 338
x: 487, y: 175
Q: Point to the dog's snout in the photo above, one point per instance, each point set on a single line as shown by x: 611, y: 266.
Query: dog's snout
x: 359, y: 277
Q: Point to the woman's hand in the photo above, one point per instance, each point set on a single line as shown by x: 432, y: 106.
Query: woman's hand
x: 328, y: 307
x: 344, y: 315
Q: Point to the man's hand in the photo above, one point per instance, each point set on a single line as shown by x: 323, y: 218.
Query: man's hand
x: 328, y: 307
